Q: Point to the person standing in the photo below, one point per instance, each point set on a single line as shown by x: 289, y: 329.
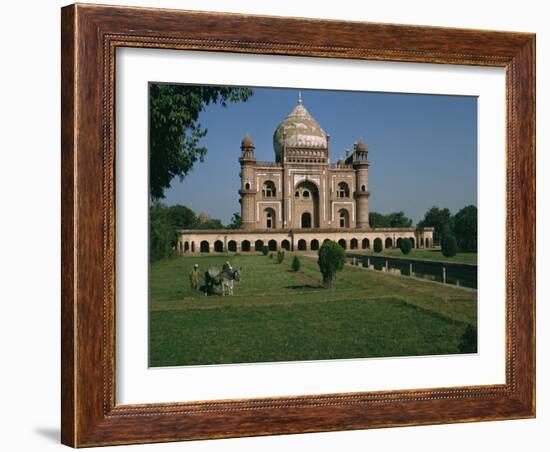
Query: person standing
x: 194, y: 277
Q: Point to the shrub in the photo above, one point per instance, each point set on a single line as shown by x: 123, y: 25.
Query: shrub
x: 331, y: 260
x: 377, y: 245
x: 271, y: 256
x: 405, y: 245
x: 280, y: 257
x: 468, y: 342
x: 265, y: 250
x: 295, y: 264
x: 448, y: 246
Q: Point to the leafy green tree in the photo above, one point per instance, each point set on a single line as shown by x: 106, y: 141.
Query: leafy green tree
x: 399, y: 220
x: 280, y: 256
x: 390, y: 220
x: 378, y: 220
x: 465, y: 228
x: 439, y: 219
x: 295, y: 264
x: 405, y: 245
x: 162, y: 233
x: 210, y: 223
x: 265, y: 250
x: 377, y: 245
x: 236, y: 221
x: 182, y: 217
x: 448, y: 246
x: 175, y: 130
x: 331, y: 260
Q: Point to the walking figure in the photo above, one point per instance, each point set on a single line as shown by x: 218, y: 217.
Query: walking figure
x: 194, y: 277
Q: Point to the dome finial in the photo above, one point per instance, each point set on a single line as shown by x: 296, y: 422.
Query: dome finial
x: 300, y: 97
x: 247, y: 142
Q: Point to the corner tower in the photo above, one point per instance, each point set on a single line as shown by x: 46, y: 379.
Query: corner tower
x: 359, y: 160
x: 248, y: 190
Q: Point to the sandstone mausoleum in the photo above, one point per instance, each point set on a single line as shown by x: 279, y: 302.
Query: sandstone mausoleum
x: 301, y: 199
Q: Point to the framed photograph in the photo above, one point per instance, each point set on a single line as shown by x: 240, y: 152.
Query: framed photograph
x: 282, y: 225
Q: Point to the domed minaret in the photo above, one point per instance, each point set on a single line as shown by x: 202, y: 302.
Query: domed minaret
x: 361, y: 167
x: 248, y: 190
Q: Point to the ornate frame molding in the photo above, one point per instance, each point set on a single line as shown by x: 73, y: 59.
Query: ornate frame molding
x: 90, y: 36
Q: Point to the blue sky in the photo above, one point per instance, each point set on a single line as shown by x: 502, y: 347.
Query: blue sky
x: 422, y: 148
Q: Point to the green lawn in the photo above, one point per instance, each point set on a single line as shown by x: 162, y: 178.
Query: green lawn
x: 279, y: 315
x: 426, y: 254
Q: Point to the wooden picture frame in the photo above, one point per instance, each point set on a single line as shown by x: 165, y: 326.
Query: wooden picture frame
x: 90, y: 36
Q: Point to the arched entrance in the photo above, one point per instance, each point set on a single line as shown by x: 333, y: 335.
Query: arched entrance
x: 354, y: 244
x: 306, y: 220
x: 269, y: 218
x: 218, y: 246
x: 314, y: 245
x: 306, y: 201
x: 258, y: 245
x: 285, y: 244
x: 366, y: 244
x: 245, y: 246
x: 205, y: 247
x: 343, y: 218
x: 342, y: 243
x: 389, y: 243
x: 272, y: 244
x: 232, y: 246
x: 302, y: 245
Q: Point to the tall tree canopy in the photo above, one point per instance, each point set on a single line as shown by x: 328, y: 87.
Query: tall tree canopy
x: 465, y: 228
x: 440, y: 220
x: 236, y: 221
x: 164, y: 222
x: 174, y: 129
x: 390, y: 220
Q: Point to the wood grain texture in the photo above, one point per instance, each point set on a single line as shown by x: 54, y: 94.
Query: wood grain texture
x: 90, y: 36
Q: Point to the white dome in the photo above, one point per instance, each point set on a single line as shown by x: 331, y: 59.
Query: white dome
x: 299, y: 130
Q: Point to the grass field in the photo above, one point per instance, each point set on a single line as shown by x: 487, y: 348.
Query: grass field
x: 426, y: 254
x: 279, y: 315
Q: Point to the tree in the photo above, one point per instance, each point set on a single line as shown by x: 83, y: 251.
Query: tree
x: 175, y: 131
x: 465, y: 228
x: 295, y: 264
x: 448, y: 246
x: 265, y: 250
x: 236, y: 221
x: 162, y: 233
x: 399, y: 220
x: 377, y: 245
x: 280, y: 256
x: 182, y: 217
x: 331, y: 260
x: 377, y: 220
x: 405, y: 245
x: 390, y: 220
x: 210, y: 223
x: 439, y: 219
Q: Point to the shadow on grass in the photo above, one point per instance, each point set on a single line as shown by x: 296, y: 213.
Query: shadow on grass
x: 304, y: 286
